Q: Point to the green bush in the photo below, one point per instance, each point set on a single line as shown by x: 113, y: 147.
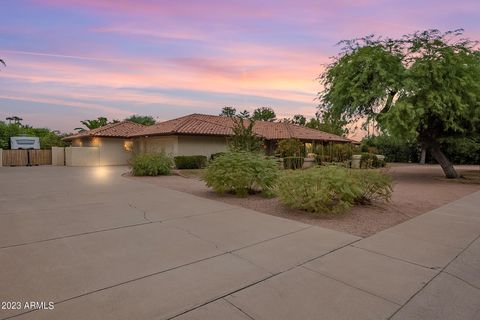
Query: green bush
x: 190, y: 162
x: 394, y: 149
x: 373, y: 185
x: 334, y: 152
x: 290, y: 148
x: 151, y: 164
x: 370, y: 160
x: 332, y: 189
x: 241, y: 173
x: 293, y: 163
x: 462, y: 150
x: 215, y: 155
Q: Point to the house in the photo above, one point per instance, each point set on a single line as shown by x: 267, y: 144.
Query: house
x: 108, y: 145
x: 195, y: 134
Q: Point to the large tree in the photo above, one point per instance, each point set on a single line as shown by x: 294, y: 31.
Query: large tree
x: 424, y: 85
x: 264, y: 114
x: 145, y: 120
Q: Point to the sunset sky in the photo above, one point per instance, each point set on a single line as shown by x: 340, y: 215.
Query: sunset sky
x: 72, y: 60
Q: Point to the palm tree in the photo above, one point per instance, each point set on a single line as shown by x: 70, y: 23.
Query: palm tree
x: 15, y: 119
x: 93, y: 124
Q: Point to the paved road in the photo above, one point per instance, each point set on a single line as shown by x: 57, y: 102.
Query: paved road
x: 104, y: 247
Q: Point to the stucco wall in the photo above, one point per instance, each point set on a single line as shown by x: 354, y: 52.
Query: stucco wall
x: 58, y: 156
x: 201, y: 145
x: 113, y: 152
x: 167, y: 145
x: 99, y: 151
x: 82, y: 156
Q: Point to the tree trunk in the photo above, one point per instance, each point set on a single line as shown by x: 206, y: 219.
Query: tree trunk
x: 446, y: 165
x: 423, y: 155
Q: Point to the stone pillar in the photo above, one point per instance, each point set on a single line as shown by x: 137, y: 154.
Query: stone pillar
x: 356, y: 158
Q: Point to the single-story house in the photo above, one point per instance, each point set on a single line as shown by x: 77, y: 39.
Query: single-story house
x: 108, y: 145
x: 195, y: 134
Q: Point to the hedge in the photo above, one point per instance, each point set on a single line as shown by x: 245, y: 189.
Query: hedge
x: 190, y: 162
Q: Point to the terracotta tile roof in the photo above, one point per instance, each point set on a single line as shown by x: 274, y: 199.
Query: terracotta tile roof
x: 201, y: 124
x: 122, y: 129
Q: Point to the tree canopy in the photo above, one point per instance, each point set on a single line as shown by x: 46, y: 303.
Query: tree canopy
x: 327, y: 123
x: 243, y: 138
x: 228, y: 112
x: 93, y: 124
x: 48, y: 138
x: 264, y: 114
x: 145, y: 120
x: 299, y: 119
x: 425, y: 85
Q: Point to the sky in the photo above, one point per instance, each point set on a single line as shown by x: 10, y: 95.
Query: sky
x: 71, y: 60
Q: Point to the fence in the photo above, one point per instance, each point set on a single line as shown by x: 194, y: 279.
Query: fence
x: 26, y: 157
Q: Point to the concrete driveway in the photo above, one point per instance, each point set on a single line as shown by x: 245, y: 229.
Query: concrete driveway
x: 94, y: 245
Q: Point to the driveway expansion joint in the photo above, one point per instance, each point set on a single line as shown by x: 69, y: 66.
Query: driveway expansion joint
x: 434, y: 277
x: 238, y: 308
x: 396, y: 258
x: 350, y: 285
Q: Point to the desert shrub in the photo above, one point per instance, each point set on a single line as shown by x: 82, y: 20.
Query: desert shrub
x: 373, y: 185
x: 151, y: 164
x: 290, y: 148
x: 293, y: 163
x: 190, y: 162
x: 334, y: 152
x: 215, y: 155
x: 370, y: 160
x: 322, y: 190
x: 332, y: 189
x: 241, y: 173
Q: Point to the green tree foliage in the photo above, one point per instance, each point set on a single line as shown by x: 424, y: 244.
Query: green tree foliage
x: 245, y: 114
x: 48, y: 138
x: 327, y: 122
x: 463, y: 150
x: 393, y: 148
x: 228, y: 112
x: 145, y: 120
x: 244, y: 139
x: 15, y: 119
x: 299, y: 119
x: 290, y: 148
x: 264, y: 114
x: 425, y: 86
x: 93, y: 124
